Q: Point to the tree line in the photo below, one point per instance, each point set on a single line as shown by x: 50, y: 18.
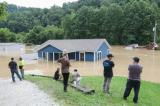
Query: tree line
x: 118, y: 21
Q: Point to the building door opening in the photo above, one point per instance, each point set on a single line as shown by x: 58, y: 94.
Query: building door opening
x: 50, y: 57
x: 81, y: 56
x: 99, y: 55
x: 57, y: 56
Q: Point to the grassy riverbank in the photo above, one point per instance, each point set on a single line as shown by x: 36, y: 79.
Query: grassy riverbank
x: 149, y: 93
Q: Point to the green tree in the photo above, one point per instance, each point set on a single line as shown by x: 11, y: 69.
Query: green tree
x: 67, y: 24
x: 3, y: 12
x: 55, y: 15
x: 34, y: 35
x: 6, y: 35
x: 51, y: 32
x: 83, y: 23
x: 39, y: 34
x: 119, y: 21
x: 113, y: 24
x: 139, y: 21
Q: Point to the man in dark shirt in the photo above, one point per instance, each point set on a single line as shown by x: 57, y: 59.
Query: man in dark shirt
x: 108, y: 73
x: 133, y: 79
x: 13, y: 68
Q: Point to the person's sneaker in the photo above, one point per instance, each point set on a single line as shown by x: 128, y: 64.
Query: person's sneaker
x: 124, y: 98
x: 135, y: 104
x: 108, y: 92
x: 104, y: 91
x: 13, y: 82
x: 65, y: 89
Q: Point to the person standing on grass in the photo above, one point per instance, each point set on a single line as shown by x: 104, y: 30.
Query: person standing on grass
x: 65, y: 64
x: 13, y: 68
x: 21, y: 67
x: 108, y: 73
x: 134, y: 80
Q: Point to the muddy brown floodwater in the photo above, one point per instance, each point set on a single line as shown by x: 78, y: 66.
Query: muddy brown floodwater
x: 150, y: 61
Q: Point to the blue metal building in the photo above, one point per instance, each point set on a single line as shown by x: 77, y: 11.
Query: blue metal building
x: 77, y: 49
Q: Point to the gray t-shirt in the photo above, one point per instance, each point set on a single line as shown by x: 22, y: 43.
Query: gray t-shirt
x: 134, y: 72
x: 75, y: 76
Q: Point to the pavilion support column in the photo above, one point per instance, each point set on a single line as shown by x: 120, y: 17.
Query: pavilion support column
x: 42, y: 55
x: 75, y: 56
x: 94, y: 56
x: 98, y: 56
x: 101, y: 55
x: 59, y: 56
x: 79, y: 56
x: 84, y: 56
x: 67, y: 56
x: 53, y: 56
x: 47, y: 55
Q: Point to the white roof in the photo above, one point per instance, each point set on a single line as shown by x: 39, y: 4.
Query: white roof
x: 73, y: 45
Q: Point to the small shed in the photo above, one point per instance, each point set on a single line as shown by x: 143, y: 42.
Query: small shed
x: 12, y: 48
x: 77, y: 49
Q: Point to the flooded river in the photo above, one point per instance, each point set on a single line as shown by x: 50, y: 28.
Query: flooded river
x: 150, y: 61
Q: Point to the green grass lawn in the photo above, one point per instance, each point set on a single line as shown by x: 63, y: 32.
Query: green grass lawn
x: 149, y: 92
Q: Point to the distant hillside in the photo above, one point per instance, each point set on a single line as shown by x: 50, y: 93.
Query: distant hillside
x: 119, y: 21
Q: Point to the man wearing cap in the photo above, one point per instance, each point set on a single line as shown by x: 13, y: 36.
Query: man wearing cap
x: 133, y: 81
x: 65, y: 64
x: 108, y: 73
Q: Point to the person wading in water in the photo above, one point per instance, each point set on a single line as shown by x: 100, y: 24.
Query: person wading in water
x: 108, y: 73
x: 13, y: 68
x: 65, y: 64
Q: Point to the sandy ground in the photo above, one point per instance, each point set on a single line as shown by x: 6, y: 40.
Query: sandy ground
x: 23, y: 93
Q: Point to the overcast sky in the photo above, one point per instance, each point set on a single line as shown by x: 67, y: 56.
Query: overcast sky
x: 37, y: 3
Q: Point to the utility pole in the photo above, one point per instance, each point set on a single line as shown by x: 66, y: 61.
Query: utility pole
x: 155, y: 34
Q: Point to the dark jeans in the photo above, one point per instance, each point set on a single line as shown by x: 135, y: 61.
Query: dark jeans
x: 65, y: 80
x: 15, y: 72
x: 132, y: 84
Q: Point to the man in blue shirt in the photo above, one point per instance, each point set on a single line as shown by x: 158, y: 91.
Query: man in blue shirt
x: 108, y: 72
x: 13, y: 68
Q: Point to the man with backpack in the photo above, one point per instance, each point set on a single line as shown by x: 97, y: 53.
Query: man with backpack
x: 108, y: 73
